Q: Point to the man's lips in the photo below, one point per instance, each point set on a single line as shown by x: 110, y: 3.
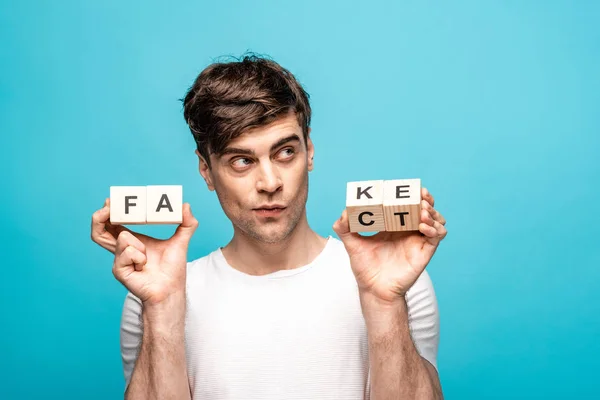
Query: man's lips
x: 270, y: 206
x: 269, y: 211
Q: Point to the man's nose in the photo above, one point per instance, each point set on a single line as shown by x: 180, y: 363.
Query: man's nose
x: 269, y: 179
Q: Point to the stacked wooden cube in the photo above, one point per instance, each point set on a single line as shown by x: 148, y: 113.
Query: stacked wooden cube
x: 384, y: 205
x: 378, y: 205
x: 152, y: 204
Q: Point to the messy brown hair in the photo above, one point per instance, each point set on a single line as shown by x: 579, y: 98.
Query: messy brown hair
x: 228, y: 98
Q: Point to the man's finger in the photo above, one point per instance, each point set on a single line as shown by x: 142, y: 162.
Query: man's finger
x: 114, y: 230
x: 441, y: 230
x: 426, y: 217
x: 129, y: 257
x: 186, y: 229
x: 428, y: 230
x: 99, y: 218
x: 427, y: 196
x: 101, y: 222
x: 126, y: 239
x: 426, y: 205
x: 341, y: 226
x: 439, y: 217
x: 102, y: 231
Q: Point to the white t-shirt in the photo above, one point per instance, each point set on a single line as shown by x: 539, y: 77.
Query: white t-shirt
x: 291, y: 334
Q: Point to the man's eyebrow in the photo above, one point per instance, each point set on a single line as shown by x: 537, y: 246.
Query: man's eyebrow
x: 292, y: 138
x: 234, y: 150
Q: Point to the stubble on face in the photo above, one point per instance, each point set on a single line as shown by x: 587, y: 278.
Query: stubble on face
x: 273, y: 230
x: 239, y: 203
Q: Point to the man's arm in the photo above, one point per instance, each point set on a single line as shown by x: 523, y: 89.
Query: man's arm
x: 160, y: 370
x: 397, y: 369
x: 387, y: 267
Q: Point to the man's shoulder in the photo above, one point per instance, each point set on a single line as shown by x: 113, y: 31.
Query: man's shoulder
x: 337, y: 249
x: 202, y: 262
x: 337, y: 243
x: 202, y: 259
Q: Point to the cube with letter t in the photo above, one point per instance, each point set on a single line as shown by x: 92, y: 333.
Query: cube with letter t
x: 364, y: 204
x: 402, y: 204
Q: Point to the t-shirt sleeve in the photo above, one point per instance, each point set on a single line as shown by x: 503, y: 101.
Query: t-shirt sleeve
x: 131, y: 334
x: 423, y: 318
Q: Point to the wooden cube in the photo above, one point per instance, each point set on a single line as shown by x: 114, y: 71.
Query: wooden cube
x: 402, y: 204
x: 164, y: 204
x: 364, y: 204
x: 127, y: 205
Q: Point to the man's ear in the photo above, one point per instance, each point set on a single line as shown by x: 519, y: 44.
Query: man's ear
x: 310, y: 150
x: 205, y: 171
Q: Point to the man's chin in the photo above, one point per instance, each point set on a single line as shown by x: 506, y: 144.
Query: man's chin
x: 271, y: 236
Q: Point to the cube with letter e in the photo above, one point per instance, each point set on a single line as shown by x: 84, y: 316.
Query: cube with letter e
x: 402, y: 204
x: 384, y: 205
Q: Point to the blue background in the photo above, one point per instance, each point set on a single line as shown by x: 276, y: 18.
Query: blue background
x: 493, y: 104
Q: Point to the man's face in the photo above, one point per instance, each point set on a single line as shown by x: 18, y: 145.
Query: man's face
x: 261, y: 179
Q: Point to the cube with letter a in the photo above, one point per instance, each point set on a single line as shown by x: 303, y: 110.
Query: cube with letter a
x: 164, y: 204
x: 402, y: 204
x: 364, y: 205
x: 127, y: 205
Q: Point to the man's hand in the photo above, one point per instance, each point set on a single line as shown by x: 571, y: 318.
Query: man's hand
x: 151, y: 269
x: 387, y: 264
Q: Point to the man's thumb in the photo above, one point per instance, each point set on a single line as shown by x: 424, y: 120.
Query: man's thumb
x: 186, y: 229
x: 342, y: 228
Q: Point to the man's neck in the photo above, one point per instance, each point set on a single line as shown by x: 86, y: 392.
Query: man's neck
x: 250, y: 256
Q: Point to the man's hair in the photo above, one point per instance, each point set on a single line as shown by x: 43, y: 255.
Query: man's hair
x: 228, y: 98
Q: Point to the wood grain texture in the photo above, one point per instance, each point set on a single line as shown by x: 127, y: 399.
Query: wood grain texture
x: 371, y: 216
x: 402, y: 218
x: 402, y: 204
x: 364, y: 204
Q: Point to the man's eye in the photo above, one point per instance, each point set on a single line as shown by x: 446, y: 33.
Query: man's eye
x: 287, y: 152
x: 240, y: 162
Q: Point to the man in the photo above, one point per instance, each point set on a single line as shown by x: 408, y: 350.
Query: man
x: 280, y: 312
